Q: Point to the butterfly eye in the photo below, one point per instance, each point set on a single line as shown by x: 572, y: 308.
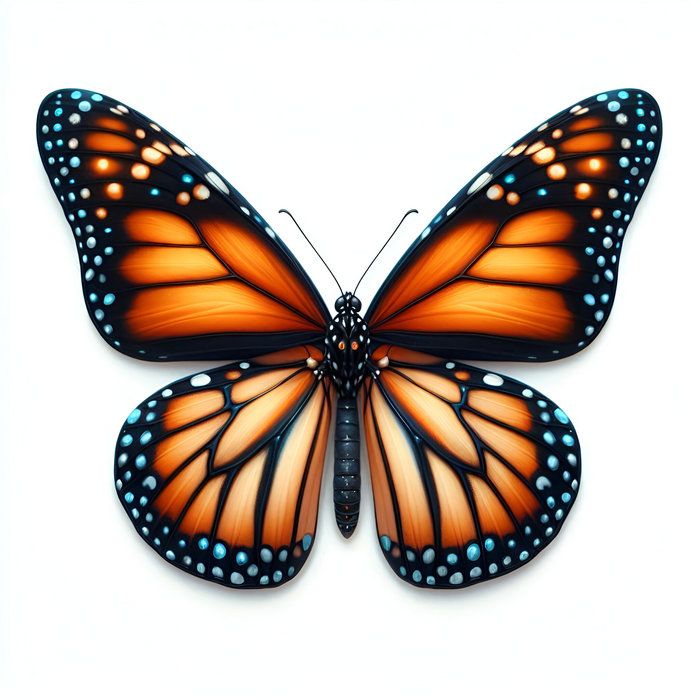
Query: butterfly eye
x: 354, y: 345
x: 341, y: 345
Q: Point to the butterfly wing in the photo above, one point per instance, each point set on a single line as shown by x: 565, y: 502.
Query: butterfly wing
x: 522, y: 263
x: 220, y: 472
x: 175, y: 263
x: 472, y: 473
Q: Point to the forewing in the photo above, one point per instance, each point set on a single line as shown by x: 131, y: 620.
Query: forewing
x: 220, y: 472
x: 472, y: 473
x: 175, y: 263
x: 522, y: 263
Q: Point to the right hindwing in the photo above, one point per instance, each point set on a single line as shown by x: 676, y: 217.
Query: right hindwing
x: 472, y: 473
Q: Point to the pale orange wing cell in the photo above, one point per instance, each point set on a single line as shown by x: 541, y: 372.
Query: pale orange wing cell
x: 522, y: 263
x: 220, y: 472
x: 472, y: 473
x: 175, y: 263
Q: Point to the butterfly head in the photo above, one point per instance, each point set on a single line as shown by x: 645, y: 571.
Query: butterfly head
x: 348, y: 302
x: 346, y: 345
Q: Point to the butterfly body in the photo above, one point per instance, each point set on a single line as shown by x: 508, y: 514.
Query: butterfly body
x: 472, y: 473
x: 347, y: 352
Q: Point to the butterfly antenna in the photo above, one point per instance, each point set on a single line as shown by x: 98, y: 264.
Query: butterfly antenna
x: 313, y: 247
x: 410, y: 211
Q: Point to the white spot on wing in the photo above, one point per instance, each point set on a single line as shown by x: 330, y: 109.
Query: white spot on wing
x: 217, y: 182
x: 200, y: 380
x: 479, y: 182
x: 493, y: 380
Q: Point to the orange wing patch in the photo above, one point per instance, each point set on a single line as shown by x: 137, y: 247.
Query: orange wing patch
x: 255, y: 260
x: 476, y: 307
x: 534, y: 265
x: 443, y: 260
x: 148, y: 226
x: 402, y: 465
x: 227, y: 306
x: 167, y: 265
x: 547, y: 226
x: 108, y: 143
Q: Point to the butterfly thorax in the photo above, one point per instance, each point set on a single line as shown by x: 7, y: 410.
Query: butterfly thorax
x: 346, y: 345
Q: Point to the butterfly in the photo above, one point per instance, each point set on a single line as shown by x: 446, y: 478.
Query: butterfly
x: 472, y: 473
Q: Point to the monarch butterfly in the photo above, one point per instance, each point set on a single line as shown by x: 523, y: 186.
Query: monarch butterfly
x: 472, y: 473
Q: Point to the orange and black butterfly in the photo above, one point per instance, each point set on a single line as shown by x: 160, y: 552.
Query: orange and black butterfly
x: 472, y: 473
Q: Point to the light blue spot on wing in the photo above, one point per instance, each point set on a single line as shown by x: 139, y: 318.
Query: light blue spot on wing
x: 561, y: 416
x: 473, y: 552
x: 241, y: 558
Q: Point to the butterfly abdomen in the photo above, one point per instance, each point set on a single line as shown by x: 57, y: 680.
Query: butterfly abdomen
x: 346, y: 476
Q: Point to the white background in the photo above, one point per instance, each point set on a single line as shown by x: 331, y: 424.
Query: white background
x: 349, y: 114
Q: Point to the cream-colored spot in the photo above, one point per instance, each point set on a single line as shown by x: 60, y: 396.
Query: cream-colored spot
x: 183, y: 198
x: 533, y: 148
x: 140, y: 171
x: 556, y: 171
x: 155, y: 127
x: 177, y: 148
x: 85, y: 193
x: 383, y: 362
x: 311, y: 363
x: 512, y: 198
x: 201, y: 192
x: 542, y: 127
x: 557, y: 134
x: 518, y: 150
x: 151, y: 155
x: 122, y: 109
x: 494, y: 192
x: 162, y: 148
x: 626, y: 144
x: 115, y: 190
x: 612, y: 193
x: 73, y: 144
x: 141, y: 133
x: 546, y: 155
x: 583, y: 190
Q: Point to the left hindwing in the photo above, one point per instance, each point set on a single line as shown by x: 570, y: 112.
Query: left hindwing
x: 472, y: 473
x: 175, y: 263
x: 522, y: 263
x: 220, y: 472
